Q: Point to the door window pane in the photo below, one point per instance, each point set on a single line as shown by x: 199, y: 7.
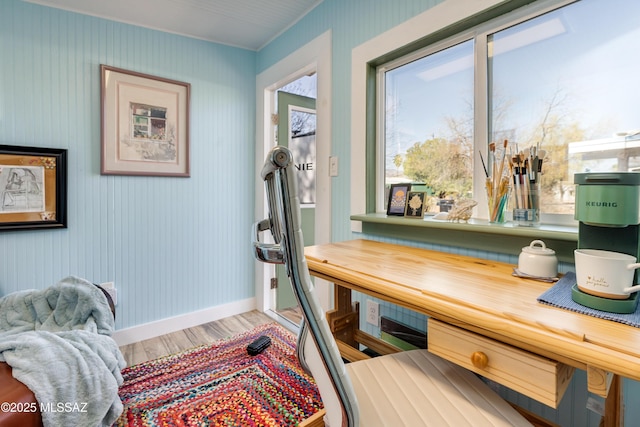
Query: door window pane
x: 303, y: 149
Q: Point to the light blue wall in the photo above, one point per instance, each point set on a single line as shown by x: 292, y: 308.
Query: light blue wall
x: 172, y: 245
x: 353, y: 22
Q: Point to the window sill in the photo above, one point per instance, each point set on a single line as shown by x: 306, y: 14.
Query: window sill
x: 476, y: 234
x: 475, y: 226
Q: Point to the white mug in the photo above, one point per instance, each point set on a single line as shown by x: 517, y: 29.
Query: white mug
x: 605, y: 274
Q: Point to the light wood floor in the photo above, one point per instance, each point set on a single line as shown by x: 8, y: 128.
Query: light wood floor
x: 294, y: 314
x: 176, y: 342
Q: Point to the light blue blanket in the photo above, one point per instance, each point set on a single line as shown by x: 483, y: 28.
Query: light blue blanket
x: 58, y: 343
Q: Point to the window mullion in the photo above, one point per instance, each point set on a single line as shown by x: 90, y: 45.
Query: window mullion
x: 481, y: 122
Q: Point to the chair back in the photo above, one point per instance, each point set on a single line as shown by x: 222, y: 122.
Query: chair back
x: 319, y: 354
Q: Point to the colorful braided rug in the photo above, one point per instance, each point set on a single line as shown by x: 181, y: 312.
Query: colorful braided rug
x: 221, y: 385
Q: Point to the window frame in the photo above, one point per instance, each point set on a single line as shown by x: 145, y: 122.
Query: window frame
x: 480, y: 34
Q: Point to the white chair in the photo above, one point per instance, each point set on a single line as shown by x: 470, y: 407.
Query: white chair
x: 411, y: 388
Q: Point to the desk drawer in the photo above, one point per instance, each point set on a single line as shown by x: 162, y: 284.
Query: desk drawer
x: 537, y: 377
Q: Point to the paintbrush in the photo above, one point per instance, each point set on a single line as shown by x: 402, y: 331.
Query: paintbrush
x: 527, y: 186
x: 504, y: 154
x: 493, y: 166
x: 515, y: 160
x: 486, y: 172
x: 492, y: 159
x: 523, y: 183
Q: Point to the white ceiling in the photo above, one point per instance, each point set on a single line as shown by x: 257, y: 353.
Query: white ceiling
x: 249, y: 24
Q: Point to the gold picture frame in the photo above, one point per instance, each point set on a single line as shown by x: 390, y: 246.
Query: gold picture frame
x: 144, y: 124
x: 415, y: 204
x: 33, y: 188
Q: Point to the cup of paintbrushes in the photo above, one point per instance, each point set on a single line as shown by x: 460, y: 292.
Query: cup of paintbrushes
x: 527, y: 214
x: 498, y: 197
x: 497, y: 184
x: 526, y: 184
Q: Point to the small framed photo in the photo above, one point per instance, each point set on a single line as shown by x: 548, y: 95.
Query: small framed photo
x: 145, y: 124
x: 33, y: 188
x: 415, y: 204
x: 397, y: 199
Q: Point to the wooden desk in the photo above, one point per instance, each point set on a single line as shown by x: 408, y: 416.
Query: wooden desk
x: 482, y: 299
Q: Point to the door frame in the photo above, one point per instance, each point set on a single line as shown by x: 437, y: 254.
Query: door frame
x: 315, y: 56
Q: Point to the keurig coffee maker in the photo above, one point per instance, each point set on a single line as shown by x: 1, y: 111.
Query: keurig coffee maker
x: 607, y: 206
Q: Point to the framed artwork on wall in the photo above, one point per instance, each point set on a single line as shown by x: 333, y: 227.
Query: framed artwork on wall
x: 33, y: 188
x: 397, y: 199
x: 144, y: 124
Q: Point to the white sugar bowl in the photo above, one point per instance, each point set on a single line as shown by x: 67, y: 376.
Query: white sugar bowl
x: 538, y: 260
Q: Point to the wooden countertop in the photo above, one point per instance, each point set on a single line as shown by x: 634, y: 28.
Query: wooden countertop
x: 481, y: 296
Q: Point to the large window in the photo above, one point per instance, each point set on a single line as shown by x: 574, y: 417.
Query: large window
x: 560, y: 80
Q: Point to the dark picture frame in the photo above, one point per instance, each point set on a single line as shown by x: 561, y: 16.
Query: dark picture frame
x: 415, y: 204
x: 33, y: 188
x: 397, y: 201
x: 144, y: 124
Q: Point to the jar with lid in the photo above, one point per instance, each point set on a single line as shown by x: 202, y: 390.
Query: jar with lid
x: 538, y: 260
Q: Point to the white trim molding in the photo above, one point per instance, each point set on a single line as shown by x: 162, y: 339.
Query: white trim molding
x: 168, y: 325
x: 314, y: 56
